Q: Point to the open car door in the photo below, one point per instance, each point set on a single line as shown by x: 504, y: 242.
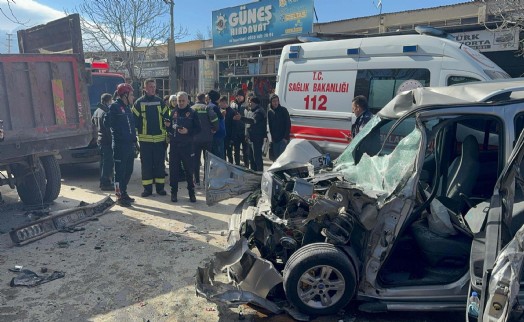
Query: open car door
x: 496, y: 254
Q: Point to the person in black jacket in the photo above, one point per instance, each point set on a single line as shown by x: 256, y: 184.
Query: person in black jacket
x: 279, y: 126
x: 182, y: 126
x: 203, y: 141
x: 104, y: 142
x: 220, y: 134
x: 238, y: 129
x: 256, y: 132
x: 122, y: 124
x: 228, y: 114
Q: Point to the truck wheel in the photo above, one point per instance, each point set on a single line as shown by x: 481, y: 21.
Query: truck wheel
x: 319, y: 279
x: 53, y: 177
x: 30, y: 185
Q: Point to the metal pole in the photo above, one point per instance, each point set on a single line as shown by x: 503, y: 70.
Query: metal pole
x: 172, y: 52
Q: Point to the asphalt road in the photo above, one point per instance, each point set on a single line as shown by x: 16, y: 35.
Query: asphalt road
x: 134, y: 264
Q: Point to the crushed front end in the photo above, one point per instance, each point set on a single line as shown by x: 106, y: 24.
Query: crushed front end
x: 299, y: 202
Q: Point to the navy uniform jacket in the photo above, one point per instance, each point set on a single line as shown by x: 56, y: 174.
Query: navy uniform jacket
x: 104, y: 133
x: 187, y: 118
x: 360, y: 122
x: 121, y: 122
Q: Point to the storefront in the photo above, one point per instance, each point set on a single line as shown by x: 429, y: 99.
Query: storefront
x: 500, y: 46
x: 248, y: 40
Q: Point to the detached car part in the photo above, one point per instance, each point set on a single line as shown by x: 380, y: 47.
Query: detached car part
x: 59, y: 220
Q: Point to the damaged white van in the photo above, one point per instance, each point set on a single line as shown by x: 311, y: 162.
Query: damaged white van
x: 415, y: 225
x: 317, y: 81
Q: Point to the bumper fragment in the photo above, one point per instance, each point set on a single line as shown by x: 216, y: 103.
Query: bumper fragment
x: 252, y: 278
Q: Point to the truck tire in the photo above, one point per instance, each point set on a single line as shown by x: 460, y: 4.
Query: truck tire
x: 53, y: 178
x: 30, y: 185
x: 319, y: 279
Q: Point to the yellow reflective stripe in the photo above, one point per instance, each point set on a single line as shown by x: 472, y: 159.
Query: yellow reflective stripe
x: 160, y: 120
x: 147, y: 182
x: 135, y: 111
x: 160, y: 180
x: 151, y: 138
x: 144, y: 117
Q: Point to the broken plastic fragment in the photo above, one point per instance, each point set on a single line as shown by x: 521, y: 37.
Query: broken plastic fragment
x: 29, y: 278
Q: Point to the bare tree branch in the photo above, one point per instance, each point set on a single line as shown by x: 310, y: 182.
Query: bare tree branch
x: 504, y: 14
x: 199, y: 35
x: 11, y: 16
x: 129, y: 28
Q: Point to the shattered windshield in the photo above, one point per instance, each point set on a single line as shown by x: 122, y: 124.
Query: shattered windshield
x: 379, y: 162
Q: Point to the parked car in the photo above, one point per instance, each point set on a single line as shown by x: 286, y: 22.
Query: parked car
x: 419, y: 211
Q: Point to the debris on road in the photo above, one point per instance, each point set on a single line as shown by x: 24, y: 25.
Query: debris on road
x: 16, y: 269
x: 59, y: 220
x: 29, y: 278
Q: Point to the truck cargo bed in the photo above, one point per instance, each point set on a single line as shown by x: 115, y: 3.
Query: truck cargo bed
x: 43, y: 104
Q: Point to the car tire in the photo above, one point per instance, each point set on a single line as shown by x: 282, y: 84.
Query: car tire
x: 53, y: 178
x: 30, y: 183
x: 311, y: 270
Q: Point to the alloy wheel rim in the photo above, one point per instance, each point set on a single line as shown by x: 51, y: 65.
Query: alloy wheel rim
x: 321, y: 286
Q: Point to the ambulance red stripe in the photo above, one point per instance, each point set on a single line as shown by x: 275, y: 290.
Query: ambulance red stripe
x: 320, y: 134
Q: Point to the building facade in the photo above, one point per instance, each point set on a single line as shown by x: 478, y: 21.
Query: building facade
x: 248, y: 40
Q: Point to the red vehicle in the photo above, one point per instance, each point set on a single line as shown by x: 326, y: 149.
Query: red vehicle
x: 101, y: 82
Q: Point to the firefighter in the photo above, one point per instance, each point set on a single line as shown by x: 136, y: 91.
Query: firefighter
x: 122, y: 124
x: 182, y: 126
x: 150, y: 111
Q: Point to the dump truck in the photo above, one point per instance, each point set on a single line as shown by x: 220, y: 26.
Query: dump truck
x: 64, y: 36
x: 44, y: 109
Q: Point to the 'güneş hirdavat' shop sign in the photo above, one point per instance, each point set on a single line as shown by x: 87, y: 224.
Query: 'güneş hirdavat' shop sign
x: 262, y: 21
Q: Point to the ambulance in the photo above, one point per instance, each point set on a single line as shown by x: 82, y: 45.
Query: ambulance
x: 317, y: 81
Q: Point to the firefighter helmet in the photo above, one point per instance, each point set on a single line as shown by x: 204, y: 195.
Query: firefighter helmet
x: 123, y: 89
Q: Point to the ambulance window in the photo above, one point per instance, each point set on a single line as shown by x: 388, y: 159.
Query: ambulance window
x: 453, y: 80
x: 381, y: 85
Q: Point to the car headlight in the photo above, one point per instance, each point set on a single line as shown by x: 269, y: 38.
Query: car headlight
x: 267, y: 185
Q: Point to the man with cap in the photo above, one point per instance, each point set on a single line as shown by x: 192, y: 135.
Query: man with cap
x: 279, y: 126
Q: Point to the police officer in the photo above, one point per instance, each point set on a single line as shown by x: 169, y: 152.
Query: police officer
x: 182, y: 126
x: 359, y: 105
x: 122, y: 124
x: 104, y: 142
x: 150, y: 111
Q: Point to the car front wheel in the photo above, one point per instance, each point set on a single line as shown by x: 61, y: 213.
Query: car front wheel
x: 319, y: 279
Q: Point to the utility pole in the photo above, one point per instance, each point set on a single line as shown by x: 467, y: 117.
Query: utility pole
x: 9, y: 43
x: 171, y: 52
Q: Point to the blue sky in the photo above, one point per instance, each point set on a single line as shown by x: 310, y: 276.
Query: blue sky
x: 196, y: 14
